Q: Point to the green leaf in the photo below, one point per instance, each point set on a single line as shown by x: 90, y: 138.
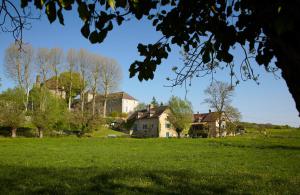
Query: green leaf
x: 85, y: 30
x: 66, y: 4
x: 112, y: 4
x: 83, y: 11
x: 24, y: 3
x: 39, y: 4
x: 120, y: 19
x: 101, y: 36
x: 110, y: 26
x: 60, y: 16
x: 51, y: 11
x: 93, y: 37
x: 205, y: 57
x: 92, y: 7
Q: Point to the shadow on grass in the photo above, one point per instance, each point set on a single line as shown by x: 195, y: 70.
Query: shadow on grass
x: 95, y: 180
x: 258, y: 146
x: 21, y: 132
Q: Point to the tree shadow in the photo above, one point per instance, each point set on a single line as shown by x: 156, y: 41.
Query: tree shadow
x: 95, y: 180
x: 259, y: 146
x: 21, y: 132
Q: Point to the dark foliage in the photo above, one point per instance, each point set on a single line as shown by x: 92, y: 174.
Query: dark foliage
x: 208, y: 30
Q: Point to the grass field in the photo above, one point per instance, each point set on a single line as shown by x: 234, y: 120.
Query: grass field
x: 249, y: 164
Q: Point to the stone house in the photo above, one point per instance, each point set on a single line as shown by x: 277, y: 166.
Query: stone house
x: 51, y: 86
x: 207, y: 125
x: 119, y: 102
x: 151, y: 122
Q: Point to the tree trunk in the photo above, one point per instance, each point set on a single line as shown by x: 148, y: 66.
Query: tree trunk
x: 178, y: 133
x: 94, y: 103
x: 104, y: 107
x: 70, y: 91
x: 69, y: 102
x: 27, y: 99
x: 220, y: 123
x: 105, y: 101
x: 288, y: 60
x: 82, y: 101
x: 14, y: 132
x: 56, y: 84
x: 41, y: 133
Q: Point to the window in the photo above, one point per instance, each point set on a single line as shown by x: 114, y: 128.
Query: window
x: 168, y: 125
x: 144, y: 126
x: 134, y: 127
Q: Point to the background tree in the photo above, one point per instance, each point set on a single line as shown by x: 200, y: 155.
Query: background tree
x: 83, y: 63
x: 140, y: 106
x: 42, y: 60
x: 262, y: 31
x: 56, y: 56
x: 219, y: 96
x: 12, y: 109
x: 18, y: 64
x: 181, y: 115
x: 72, y: 85
x: 72, y: 60
x: 53, y: 114
x: 154, y: 102
x: 85, y: 123
x: 233, y: 116
x: 94, y: 77
x: 110, y: 77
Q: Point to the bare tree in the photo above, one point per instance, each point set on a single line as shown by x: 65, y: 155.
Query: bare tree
x: 42, y: 60
x: 83, y: 63
x: 15, y: 20
x: 219, y: 97
x: 18, y: 65
x: 94, y: 77
x: 72, y: 61
x: 110, y: 78
x: 232, y: 114
x: 56, y: 56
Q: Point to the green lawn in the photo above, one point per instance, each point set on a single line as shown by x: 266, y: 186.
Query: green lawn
x: 104, y: 132
x: 251, y: 164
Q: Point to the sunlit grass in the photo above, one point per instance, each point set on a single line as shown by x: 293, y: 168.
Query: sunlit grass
x: 249, y: 164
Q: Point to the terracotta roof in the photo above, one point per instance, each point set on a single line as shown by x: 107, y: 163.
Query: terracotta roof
x: 117, y: 95
x: 144, y: 114
x: 206, y: 117
x: 199, y: 117
x: 51, y: 84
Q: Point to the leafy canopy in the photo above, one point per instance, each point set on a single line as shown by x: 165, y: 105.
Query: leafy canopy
x: 207, y: 30
x: 49, y: 112
x: 181, y: 115
x: 12, y: 108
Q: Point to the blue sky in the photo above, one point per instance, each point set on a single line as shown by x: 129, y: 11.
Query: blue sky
x: 268, y: 102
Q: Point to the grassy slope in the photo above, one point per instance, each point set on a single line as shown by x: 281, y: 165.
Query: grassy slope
x: 252, y: 164
x: 104, y: 132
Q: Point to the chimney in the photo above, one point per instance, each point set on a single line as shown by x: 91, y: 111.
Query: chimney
x: 38, y: 81
x: 150, y: 110
x: 139, y: 114
x: 209, y: 110
x: 150, y: 106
